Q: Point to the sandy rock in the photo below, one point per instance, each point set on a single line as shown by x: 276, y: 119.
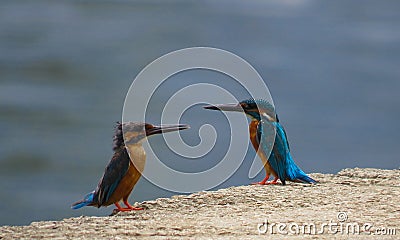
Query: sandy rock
x: 356, y: 203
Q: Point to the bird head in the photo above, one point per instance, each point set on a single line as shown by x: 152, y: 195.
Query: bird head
x: 135, y: 132
x: 254, y: 108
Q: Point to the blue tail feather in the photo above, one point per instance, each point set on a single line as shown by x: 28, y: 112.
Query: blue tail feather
x: 299, y: 175
x: 280, y: 158
x: 306, y: 179
x: 87, y: 200
x: 295, y: 173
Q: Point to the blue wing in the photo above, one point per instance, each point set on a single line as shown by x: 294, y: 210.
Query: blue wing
x: 114, y: 172
x: 280, y: 159
x: 274, y: 147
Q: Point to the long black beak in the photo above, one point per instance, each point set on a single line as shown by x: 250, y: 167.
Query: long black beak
x: 165, y: 128
x: 225, y: 107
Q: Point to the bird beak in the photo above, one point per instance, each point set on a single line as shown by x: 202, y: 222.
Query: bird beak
x: 225, y: 107
x: 165, y: 128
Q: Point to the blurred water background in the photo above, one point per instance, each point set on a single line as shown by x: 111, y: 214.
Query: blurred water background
x: 65, y: 67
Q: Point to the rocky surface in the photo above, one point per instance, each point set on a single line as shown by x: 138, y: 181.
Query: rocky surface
x: 356, y: 203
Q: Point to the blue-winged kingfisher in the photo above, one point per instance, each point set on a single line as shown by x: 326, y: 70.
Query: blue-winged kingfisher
x: 276, y: 158
x: 126, y: 165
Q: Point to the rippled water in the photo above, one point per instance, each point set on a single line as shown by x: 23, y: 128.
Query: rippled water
x: 65, y: 67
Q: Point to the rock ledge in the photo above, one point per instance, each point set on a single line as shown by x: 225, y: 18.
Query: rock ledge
x: 365, y: 198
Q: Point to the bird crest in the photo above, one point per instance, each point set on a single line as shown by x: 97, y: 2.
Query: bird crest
x: 118, y: 138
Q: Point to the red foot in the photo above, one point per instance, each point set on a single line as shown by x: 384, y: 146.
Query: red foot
x: 132, y: 207
x: 258, y: 183
x: 121, y: 209
x: 273, y: 182
x: 137, y: 208
x: 129, y: 207
x: 262, y: 182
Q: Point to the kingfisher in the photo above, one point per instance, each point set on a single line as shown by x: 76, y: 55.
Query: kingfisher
x: 126, y: 165
x: 264, y: 123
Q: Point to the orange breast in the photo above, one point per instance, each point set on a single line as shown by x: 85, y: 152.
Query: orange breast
x: 253, y: 138
x: 126, y: 185
x: 253, y: 134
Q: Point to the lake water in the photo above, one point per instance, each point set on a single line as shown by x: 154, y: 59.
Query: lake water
x: 66, y: 66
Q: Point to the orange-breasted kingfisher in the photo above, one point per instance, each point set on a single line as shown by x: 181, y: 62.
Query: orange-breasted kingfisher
x: 277, y: 162
x: 126, y: 165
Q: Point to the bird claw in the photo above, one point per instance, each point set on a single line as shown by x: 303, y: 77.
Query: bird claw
x: 136, y: 208
x: 122, y: 209
x: 274, y: 182
x: 127, y: 209
x: 258, y: 183
x: 116, y: 210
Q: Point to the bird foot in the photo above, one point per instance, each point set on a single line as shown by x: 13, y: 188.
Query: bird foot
x: 128, y: 209
x: 136, y: 208
x: 272, y: 183
x: 122, y: 209
x: 259, y: 183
